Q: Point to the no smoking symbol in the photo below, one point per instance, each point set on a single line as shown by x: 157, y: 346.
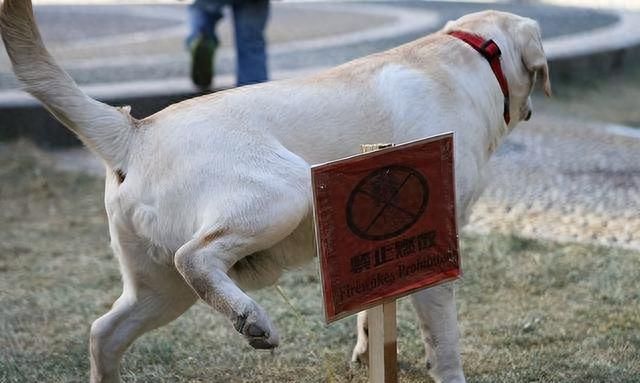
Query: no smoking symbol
x: 387, y: 202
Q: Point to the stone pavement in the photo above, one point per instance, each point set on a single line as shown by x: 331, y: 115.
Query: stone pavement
x: 562, y: 178
x: 556, y: 177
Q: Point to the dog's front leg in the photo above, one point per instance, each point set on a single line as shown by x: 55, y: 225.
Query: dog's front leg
x: 436, y: 310
x: 204, y: 265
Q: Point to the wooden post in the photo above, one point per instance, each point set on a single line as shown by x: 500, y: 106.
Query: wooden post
x: 383, y: 349
x: 383, y: 352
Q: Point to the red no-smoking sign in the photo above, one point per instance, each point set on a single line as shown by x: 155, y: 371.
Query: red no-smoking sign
x: 385, y: 224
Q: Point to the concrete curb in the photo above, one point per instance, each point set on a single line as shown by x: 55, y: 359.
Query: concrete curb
x: 574, y: 58
x: 600, y: 52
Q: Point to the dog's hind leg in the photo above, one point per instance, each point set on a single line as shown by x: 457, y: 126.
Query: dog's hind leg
x: 361, y: 350
x: 252, y: 225
x: 149, y: 300
x: 436, y: 310
x: 205, y: 270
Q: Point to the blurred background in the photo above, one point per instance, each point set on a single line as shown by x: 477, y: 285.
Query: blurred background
x: 551, y: 255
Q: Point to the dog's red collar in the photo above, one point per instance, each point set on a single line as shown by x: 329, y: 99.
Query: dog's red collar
x: 491, y: 52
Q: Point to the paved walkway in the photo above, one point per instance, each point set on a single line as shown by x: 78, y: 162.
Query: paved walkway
x: 556, y: 177
x: 144, y: 43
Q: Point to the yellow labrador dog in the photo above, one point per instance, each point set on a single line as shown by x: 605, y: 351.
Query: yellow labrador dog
x: 211, y: 196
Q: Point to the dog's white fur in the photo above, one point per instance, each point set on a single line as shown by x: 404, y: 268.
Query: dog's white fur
x: 216, y: 190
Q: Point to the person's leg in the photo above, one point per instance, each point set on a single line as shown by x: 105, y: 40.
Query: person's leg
x: 250, y: 20
x: 203, y: 16
x: 202, y: 40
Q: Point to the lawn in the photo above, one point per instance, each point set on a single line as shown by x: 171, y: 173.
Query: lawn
x: 530, y: 311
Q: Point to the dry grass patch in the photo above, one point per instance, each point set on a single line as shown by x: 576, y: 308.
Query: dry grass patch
x: 530, y: 311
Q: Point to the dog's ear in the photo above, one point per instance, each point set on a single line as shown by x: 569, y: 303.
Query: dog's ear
x: 533, y: 55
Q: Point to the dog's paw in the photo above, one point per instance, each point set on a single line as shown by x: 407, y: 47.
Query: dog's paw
x: 255, y: 325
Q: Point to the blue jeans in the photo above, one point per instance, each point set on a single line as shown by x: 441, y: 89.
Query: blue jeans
x: 249, y: 21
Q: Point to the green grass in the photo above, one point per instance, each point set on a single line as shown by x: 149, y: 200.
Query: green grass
x: 530, y: 311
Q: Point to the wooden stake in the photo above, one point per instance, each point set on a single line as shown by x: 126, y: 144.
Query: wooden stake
x: 383, y: 349
x: 383, y: 352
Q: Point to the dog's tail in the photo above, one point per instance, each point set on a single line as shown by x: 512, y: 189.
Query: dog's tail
x: 104, y: 129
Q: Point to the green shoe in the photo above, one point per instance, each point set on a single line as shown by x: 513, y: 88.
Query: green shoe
x: 202, y: 52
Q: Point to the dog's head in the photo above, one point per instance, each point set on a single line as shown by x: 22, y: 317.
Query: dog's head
x: 523, y: 57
